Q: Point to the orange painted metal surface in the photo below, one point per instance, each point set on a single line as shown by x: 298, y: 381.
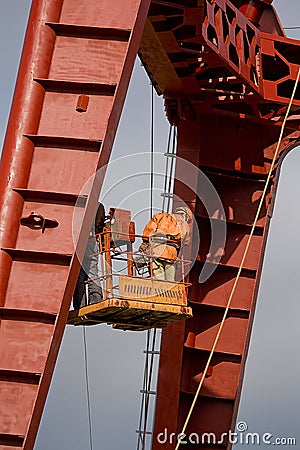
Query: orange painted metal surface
x: 74, y: 73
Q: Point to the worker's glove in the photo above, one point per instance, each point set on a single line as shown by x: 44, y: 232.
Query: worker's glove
x: 143, y: 247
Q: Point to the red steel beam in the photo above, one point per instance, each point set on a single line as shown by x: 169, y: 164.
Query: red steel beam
x: 239, y: 181
x: 75, y: 68
x: 267, y: 62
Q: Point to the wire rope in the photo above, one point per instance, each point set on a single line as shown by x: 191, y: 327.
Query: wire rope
x: 262, y: 199
x: 140, y: 439
x: 152, y: 151
x: 148, y: 387
x: 168, y: 178
x: 148, y: 368
x: 87, y: 388
x: 171, y: 169
x: 167, y: 169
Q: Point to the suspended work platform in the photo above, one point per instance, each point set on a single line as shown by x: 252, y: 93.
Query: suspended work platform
x: 136, y: 301
x: 129, y: 314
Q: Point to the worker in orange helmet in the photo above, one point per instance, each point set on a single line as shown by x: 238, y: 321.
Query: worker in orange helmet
x: 163, y: 237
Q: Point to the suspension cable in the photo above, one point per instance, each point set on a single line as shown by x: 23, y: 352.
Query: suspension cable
x: 262, y: 199
x: 172, y: 168
x: 144, y: 389
x: 152, y: 151
x: 150, y: 352
x: 148, y: 387
x: 167, y: 169
x: 168, y: 179
x: 87, y: 388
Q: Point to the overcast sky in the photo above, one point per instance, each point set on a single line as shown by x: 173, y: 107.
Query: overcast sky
x: 271, y: 395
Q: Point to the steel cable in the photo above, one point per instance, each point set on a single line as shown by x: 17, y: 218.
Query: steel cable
x: 149, y: 386
x: 167, y: 169
x: 147, y: 373
x: 87, y: 388
x: 152, y: 151
x: 140, y: 439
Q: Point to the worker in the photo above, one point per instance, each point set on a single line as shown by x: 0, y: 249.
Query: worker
x: 110, y: 217
x: 89, y: 268
x: 163, y: 237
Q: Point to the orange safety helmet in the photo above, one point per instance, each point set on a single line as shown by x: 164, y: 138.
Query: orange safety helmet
x: 185, y: 212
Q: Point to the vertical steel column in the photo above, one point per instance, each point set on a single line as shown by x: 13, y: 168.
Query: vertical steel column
x: 235, y: 155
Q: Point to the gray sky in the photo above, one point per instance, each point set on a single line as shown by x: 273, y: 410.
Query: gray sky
x: 271, y: 396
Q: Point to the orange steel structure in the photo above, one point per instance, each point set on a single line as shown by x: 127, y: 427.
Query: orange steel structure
x: 226, y: 71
